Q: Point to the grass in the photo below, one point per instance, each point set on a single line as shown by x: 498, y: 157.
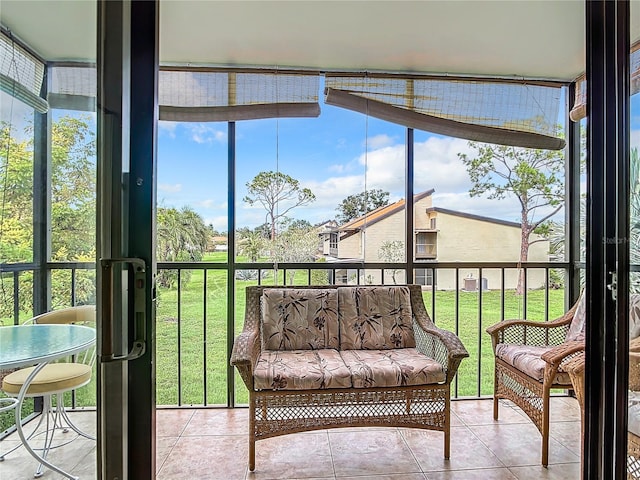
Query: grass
x: 195, y: 322
x: 191, y: 335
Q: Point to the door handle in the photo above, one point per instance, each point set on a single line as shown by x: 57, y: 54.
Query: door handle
x: 139, y: 309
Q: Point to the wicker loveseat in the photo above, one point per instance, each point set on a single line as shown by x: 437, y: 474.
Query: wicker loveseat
x: 336, y: 356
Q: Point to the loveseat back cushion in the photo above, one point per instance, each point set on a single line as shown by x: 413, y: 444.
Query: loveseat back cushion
x: 528, y: 359
x: 391, y: 368
x: 576, y: 328
x: 301, y: 370
x: 375, y: 318
x: 299, y: 319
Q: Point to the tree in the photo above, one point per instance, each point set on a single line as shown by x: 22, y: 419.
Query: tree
x: 534, y: 177
x: 251, y: 244
x: 278, y: 193
x: 181, y: 236
x: 73, y: 190
x: 295, y: 245
x: 392, y: 251
x: 355, y: 206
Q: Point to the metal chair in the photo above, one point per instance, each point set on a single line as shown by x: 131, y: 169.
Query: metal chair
x: 54, y: 380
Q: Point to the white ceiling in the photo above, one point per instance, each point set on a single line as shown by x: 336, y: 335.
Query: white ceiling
x: 531, y: 39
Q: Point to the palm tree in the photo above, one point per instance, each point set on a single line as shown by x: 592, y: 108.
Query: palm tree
x: 181, y: 236
x: 556, y: 231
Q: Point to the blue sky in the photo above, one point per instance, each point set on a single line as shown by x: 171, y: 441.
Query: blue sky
x: 337, y: 154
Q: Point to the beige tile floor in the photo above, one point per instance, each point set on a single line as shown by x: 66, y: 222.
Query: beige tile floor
x: 212, y: 444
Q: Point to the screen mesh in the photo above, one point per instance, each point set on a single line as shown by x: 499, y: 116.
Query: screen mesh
x: 579, y: 109
x: 523, y: 114
x: 21, y: 74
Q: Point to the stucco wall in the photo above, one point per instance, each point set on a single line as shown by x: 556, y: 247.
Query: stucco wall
x: 471, y: 240
x: 459, y: 239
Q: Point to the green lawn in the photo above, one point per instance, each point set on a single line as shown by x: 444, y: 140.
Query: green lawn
x: 195, y: 322
x: 198, y: 324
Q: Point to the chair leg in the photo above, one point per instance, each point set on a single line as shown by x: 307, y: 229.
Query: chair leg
x: 67, y: 420
x: 495, y: 395
x: 252, y: 432
x: 447, y: 427
x: 545, y: 428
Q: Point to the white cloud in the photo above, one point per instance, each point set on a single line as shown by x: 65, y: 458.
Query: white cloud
x: 203, y: 133
x: 167, y: 127
x: 635, y: 139
x: 168, y: 188
x: 436, y: 166
x: 506, y: 209
x: 220, y: 222
x: 211, y: 204
x: 379, y: 141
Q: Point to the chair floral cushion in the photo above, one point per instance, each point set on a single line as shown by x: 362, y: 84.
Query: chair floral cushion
x: 301, y: 370
x: 299, y: 319
x: 391, y: 368
x: 634, y: 316
x: 375, y: 318
x: 527, y: 359
x: 634, y: 413
x: 634, y: 364
x: 576, y: 329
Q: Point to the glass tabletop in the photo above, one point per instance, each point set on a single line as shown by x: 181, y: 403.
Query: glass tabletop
x: 30, y: 344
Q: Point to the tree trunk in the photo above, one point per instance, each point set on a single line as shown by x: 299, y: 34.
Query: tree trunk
x: 524, y: 253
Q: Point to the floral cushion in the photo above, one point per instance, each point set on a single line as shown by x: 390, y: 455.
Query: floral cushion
x: 299, y: 319
x: 527, y: 359
x: 391, y: 368
x: 375, y: 318
x: 634, y: 316
x: 576, y: 329
x: 301, y: 370
x: 634, y: 413
x: 634, y: 364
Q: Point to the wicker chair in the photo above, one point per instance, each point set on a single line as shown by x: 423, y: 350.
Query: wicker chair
x: 576, y: 369
x: 633, y: 438
x: 530, y: 360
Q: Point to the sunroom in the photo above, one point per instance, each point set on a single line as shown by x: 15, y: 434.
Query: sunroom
x: 141, y: 145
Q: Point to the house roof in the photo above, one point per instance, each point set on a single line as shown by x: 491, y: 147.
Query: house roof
x: 473, y: 217
x: 380, y: 213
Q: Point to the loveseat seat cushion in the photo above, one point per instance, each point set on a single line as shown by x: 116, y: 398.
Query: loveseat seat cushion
x: 528, y: 359
x: 301, y: 370
x: 299, y: 319
x: 391, y: 368
x: 375, y: 318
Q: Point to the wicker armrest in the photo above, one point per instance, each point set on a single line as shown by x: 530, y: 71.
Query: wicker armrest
x: 562, y: 353
x: 441, y: 345
x: 244, y: 349
x: 528, y: 332
x: 245, y: 353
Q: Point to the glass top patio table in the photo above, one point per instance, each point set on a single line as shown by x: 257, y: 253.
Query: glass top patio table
x: 23, y: 345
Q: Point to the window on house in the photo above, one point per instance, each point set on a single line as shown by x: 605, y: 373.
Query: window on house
x: 425, y: 276
x: 426, y: 244
x: 432, y: 223
x: 333, y: 241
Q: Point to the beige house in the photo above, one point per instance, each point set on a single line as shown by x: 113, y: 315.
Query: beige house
x: 440, y: 234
